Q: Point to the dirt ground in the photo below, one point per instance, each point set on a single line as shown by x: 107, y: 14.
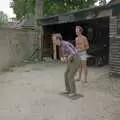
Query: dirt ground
x: 32, y: 92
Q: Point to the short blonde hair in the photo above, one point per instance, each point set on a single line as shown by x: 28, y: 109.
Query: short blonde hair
x: 58, y: 36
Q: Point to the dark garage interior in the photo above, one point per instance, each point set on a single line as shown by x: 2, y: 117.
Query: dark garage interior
x: 96, y: 30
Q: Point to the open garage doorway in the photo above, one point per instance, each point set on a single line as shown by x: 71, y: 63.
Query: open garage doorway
x: 96, y: 30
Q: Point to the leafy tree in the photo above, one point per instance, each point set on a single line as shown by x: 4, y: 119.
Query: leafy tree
x: 3, y: 18
x: 22, y: 7
x: 102, y: 2
x: 55, y: 6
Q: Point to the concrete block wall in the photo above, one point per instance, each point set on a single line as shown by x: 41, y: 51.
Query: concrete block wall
x: 15, y: 45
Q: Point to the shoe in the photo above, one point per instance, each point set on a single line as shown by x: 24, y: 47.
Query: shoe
x: 65, y: 93
x: 72, y: 94
x: 78, y: 80
x: 85, y: 82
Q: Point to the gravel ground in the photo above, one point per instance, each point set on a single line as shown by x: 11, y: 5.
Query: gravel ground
x: 32, y: 92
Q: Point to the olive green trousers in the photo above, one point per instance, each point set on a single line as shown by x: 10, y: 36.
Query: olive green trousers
x: 72, y: 68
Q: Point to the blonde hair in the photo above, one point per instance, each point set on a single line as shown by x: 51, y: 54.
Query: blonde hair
x: 57, y: 35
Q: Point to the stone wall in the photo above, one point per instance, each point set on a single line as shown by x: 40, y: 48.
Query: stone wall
x: 15, y: 45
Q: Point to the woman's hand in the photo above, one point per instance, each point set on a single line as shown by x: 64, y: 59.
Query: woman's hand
x: 70, y: 57
x: 63, y: 59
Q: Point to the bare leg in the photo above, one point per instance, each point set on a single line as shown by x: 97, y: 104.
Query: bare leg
x: 80, y: 72
x: 85, y: 70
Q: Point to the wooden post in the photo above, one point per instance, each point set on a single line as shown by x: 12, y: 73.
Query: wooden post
x: 39, y: 15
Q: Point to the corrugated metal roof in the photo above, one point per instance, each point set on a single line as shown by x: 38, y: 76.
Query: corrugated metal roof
x: 83, y: 13
x: 27, y: 21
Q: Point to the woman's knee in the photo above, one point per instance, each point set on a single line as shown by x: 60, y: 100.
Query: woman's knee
x: 84, y: 64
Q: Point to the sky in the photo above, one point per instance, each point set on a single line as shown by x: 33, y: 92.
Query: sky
x: 5, y: 7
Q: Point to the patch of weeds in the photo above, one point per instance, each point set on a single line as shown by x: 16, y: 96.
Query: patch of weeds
x: 7, y: 69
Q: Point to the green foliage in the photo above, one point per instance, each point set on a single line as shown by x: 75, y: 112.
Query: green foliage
x: 3, y: 18
x: 22, y: 7
x: 102, y: 2
x: 60, y: 6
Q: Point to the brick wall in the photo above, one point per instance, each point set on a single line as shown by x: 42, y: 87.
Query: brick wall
x: 15, y: 45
